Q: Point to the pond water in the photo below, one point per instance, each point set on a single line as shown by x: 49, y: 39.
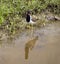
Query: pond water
x: 37, y: 46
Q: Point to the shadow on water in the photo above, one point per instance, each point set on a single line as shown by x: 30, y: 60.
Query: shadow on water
x: 29, y: 46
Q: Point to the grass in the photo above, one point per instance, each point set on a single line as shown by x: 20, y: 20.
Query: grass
x: 12, y: 13
x: 20, y: 7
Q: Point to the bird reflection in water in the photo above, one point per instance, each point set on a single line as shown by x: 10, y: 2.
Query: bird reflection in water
x: 29, y: 46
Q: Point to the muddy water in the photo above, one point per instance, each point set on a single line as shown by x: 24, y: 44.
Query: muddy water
x: 37, y: 46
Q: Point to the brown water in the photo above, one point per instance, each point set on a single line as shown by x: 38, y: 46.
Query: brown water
x: 41, y: 46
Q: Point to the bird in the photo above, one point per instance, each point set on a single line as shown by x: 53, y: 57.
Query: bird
x: 29, y: 18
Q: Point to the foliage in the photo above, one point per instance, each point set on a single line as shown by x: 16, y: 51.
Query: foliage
x: 21, y: 6
x: 12, y: 11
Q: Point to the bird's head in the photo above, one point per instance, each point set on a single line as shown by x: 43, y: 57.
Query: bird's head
x: 28, y: 12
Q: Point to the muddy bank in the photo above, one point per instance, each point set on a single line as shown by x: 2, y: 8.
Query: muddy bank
x: 13, y: 26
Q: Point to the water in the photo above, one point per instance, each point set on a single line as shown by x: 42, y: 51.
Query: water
x: 41, y: 46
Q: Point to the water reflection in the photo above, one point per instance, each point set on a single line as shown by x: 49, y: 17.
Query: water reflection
x: 29, y: 46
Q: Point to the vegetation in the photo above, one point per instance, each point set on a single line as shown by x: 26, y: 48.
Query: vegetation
x: 19, y: 7
x: 12, y: 11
